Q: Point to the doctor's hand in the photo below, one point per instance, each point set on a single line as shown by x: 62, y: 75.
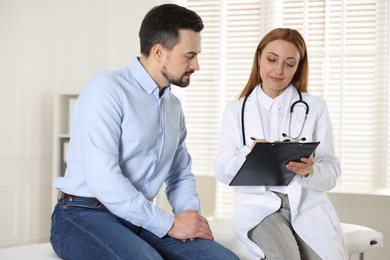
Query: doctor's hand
x: 190, y: 225
x: 302, y: 168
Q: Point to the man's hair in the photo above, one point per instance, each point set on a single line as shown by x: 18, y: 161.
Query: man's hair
x: 162, y: 24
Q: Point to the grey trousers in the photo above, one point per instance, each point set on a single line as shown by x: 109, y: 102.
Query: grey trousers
x: 276, y: 237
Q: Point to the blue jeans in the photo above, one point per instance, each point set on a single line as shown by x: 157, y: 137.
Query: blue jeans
x: 81, y: 229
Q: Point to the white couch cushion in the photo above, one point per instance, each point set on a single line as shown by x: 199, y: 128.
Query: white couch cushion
x: 42, y: 251
x: 359, y: 239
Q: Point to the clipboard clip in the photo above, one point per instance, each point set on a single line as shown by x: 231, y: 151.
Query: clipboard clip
x: 294, y: 139
x: 287, y: 141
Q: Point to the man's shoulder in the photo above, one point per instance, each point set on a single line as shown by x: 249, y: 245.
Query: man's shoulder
x: 114, y: 77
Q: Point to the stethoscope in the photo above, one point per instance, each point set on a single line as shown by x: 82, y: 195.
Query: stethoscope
x: 288, y: 136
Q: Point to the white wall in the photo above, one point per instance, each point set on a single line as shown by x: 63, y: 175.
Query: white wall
x: 46, y: 47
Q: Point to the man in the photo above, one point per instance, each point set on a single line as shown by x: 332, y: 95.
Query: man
x: 127, y: 139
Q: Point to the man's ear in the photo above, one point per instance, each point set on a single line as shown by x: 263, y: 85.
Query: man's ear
x: 158, y: 52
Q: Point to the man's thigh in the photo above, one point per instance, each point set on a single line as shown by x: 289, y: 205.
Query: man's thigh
x: 87, y: 231
x: 175, y: 249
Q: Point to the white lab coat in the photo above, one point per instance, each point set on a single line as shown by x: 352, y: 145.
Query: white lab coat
x: 312, y: 214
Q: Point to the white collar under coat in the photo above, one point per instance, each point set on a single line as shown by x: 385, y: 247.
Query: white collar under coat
x: 252, y: 117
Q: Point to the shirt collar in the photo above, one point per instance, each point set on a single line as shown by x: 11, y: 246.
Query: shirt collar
x: 267, y: 102
x: 145, y: 81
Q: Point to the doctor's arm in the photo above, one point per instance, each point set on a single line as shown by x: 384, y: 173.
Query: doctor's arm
x: 326, y: 166
x: 231, y: 152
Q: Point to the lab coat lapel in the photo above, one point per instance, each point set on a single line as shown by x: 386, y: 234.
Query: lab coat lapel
x: 252, y: 118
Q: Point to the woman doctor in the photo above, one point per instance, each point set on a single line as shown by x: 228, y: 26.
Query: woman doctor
x: 296, y: 221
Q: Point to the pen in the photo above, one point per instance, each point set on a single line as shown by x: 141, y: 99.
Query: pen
x: 253, y: 138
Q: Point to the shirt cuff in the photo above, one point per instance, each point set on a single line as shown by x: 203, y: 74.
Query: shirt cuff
x: 244, y: 150
x: 304, y: 180
x: 160, y: 224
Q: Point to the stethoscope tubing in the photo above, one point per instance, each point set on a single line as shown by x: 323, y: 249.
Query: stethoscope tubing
x: 291, y: 112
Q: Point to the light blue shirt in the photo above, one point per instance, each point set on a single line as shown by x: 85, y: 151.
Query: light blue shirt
x: 125, y: 142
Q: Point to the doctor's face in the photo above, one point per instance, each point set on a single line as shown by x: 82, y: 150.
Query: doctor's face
x: 278, y: 63
x: 182, y: 60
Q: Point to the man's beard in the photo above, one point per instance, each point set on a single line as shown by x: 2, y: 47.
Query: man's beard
x: 177, y: 81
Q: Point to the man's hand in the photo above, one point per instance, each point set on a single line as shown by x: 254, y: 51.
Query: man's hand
x: 190, y: 225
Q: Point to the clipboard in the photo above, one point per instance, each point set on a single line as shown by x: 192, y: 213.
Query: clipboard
x: 265, y: 165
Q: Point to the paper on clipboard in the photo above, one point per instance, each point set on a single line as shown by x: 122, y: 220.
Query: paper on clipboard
x: 265, y: 165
